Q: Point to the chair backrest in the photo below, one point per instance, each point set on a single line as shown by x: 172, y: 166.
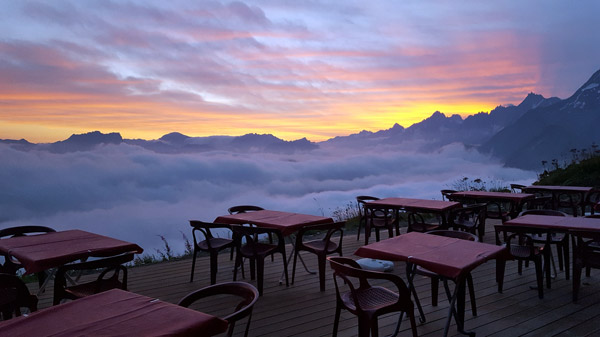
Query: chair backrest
x: 244, y: 209
x: 206, y: 229
x: 331, y: 228
x: 549, y: 212
x: 517, y: 188
x: 247, y: 292
x: 251, y: 235
x: 111, y: 270
x: 10, y: 266
x: 446, y: 194
x: 361, y: 200
x: 357, y: 279
x: 24, y: 230
x: 513, y: 236
x: 14, y: 295
x: 454, y: 234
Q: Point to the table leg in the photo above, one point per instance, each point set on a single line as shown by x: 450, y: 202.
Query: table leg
x: 410, y: 274
x: 566, y: 256
x: 292, y: 240
x: 457, y: 307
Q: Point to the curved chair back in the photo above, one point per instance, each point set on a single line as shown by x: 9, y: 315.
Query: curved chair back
x: 517, y: 188
x: 11, y: 266
x: 14, y: 295
x: 247, y: 292
x: 244, y: 209
x: 109, y: 277
x: 210, y: 244
x: 455, y: 234
x: 366, y: 301
x: 446, y: 194
x: 549, y: 212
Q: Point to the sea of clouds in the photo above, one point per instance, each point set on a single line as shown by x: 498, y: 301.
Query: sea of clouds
x: 136, y: 195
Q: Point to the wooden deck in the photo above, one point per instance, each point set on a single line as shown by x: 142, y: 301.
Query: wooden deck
x: 302, y: 310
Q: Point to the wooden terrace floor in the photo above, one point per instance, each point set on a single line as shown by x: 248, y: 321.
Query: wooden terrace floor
x: 302, y: 310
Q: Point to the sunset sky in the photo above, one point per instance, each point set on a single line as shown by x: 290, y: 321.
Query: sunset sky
x: 314, y: 69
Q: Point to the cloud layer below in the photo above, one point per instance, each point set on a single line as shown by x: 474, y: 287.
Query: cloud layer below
x: 137, y: 195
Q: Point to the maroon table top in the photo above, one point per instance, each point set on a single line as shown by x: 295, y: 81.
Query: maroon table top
x: 484, y: 195
x: 114, y: 313
x: 44, y: 251
x: 449, y: 257
x: 286, y: 222
x: 560, y: 223
x: 549, y: 188
x: 415, y: 204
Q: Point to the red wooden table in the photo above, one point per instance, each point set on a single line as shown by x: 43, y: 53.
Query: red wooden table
x: 114, y: 313
x: 555, y: 191
x: 449, y: 257
x: 438, y: 207
x: 516, y: 200
x: 44, y: 251
x: 559, y: 224
x: 286, y: 222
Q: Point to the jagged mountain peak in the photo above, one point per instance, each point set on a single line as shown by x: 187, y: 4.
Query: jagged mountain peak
x: 587, y: 97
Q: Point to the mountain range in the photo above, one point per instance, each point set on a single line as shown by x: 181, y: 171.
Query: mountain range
x: 538, y: 129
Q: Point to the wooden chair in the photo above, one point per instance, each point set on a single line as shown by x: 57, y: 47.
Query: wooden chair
x: 362, y: 217
x: 517, y: 188
x: 248, y: 245
x: 586, y: 254
x: 11, y: 266
x: 447, y: 194
x: 355, y: 294
x: 14, y: 295
x: 435, y: 278
x: 416, y: 223
x: 211, y: 244
x: 470, y: 218
x: 591, y: 200
x: 521, y: 247
x: 245, y: 291
x: 113, y: 274
x: 321, y: 248
x: 246, y: 209
x: 557, y: 239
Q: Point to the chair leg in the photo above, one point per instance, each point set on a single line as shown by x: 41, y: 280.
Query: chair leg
x: 500, y: 266
x: 213, y: 267
x: 193, y: 265
x: 374, y: 327
x: 260, y: 266
x: 248, y: 325
x: 539, y: 277
x: 435, y: 282
x: 336, y: 320
x: 294, y: 265
x: 577, y: 270
x: 252, y: 268
x: 360, y: 225
x: 472, y: 294
x: 321, y: 260
x: 285, y: 268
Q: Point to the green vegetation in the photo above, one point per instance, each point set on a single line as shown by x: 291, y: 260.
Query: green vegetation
x: 583, y: 170
x: 477, y: 184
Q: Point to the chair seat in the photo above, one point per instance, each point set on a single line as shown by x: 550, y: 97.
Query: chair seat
x: 87, y: 289
x: 425, y: 272
x: 319, y: 246
x: 371, y: 299
x: 424, y: 227
x: 261, y: 249
x: 216, y: 243
x: 554, y: 238
x: 523, y: 252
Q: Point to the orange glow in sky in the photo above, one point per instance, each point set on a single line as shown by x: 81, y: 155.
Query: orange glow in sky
x: 315, y: 70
